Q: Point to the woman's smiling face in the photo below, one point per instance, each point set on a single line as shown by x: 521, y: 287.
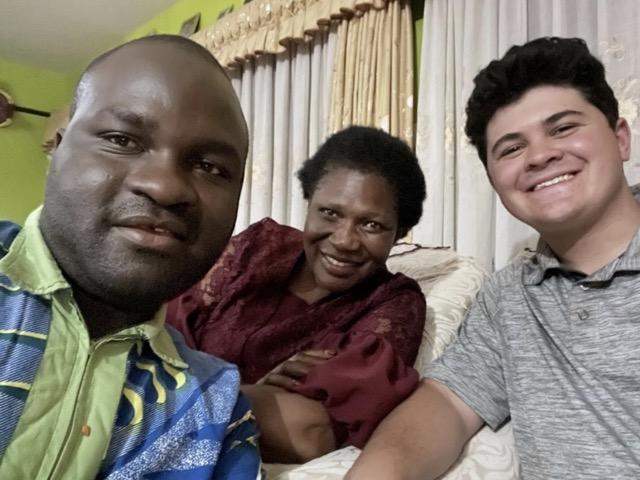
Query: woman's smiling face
x: 352, y: 223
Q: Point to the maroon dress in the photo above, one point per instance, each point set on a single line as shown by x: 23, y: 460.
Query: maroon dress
x: 243, y: 312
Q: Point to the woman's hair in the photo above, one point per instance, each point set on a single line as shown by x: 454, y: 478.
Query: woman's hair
x: 369, y: 150
x: 564, y: 62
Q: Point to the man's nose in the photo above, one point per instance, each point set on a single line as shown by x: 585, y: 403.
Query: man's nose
x: 345, y: 236
x: 541, y: 152
x: 162, y: 178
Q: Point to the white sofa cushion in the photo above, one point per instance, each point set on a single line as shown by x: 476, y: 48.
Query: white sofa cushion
x: 449, y: 282
x: 489, y: 455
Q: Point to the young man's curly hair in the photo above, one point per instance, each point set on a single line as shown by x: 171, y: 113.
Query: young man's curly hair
x: 554, y: 61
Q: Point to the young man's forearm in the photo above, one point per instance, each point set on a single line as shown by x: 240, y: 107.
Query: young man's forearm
x: 420, y: 439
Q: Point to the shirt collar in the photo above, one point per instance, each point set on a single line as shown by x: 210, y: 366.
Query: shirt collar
x: 543, y: 260
x: 29, y: 263
x: 155, y: 332
x: 30, y: 266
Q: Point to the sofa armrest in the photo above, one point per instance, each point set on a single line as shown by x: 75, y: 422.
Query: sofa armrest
x: 489, y: 455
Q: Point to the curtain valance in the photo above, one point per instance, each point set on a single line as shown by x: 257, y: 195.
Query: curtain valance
x: 270, y: 26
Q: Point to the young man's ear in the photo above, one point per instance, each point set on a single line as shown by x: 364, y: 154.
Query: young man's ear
x: 623, y: 135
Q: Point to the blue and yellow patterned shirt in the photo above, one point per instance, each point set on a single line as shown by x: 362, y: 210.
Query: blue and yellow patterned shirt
x: 134, y: 404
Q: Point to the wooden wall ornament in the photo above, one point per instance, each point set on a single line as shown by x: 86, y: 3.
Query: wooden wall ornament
x: 8, y: 108
x: 190, y: 25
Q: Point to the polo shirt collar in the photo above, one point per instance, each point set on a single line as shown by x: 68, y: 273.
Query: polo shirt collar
x: 544, y: 260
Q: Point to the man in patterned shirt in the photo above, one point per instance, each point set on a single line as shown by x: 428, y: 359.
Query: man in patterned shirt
x: 140, y: 200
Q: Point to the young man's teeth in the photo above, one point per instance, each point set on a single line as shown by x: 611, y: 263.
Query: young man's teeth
x: 553, y: 181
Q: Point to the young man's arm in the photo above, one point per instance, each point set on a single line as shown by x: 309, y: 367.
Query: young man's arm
x: 420, y: 439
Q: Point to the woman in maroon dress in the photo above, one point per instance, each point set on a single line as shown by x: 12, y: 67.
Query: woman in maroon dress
x: 324, y: 336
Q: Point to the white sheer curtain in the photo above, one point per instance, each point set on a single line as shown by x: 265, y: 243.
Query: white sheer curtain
x: 285, y: 99
x: 460, y: 38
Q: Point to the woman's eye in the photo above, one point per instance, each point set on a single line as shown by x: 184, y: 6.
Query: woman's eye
x: 327, y: 212
x: 373, y: 226
x: 209, y: 167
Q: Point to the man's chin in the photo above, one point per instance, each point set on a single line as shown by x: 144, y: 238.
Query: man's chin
x: 131, y: 300
x: 137, y: 294
x: 135, y: 282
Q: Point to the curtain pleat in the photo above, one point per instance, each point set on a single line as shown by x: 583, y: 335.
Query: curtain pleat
x: 372, y: 81
x: 285, y: 98
x: 346, y: 62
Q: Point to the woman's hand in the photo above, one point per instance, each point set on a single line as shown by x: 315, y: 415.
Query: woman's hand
x: 289, y: 373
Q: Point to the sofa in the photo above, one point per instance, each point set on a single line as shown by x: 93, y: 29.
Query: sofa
x: 449, y: 282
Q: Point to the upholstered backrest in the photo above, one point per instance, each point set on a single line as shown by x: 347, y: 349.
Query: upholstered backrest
x: 449, y: 282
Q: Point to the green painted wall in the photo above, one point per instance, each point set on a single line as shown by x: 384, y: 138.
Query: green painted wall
x: 170, y: 20
x: 23, y: 166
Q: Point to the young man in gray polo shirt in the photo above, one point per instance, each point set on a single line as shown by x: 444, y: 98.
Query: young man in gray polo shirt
x: 553, y: 341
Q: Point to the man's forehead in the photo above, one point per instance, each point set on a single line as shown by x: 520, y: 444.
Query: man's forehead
x: 141, y: 77
x: 538, y: 104
x: 138, y: 59
x: 138, y: 75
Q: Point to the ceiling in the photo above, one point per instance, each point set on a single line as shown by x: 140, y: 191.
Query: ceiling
x: 63, y: 35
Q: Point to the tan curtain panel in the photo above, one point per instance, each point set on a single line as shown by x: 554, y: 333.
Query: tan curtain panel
x: 372, y: 80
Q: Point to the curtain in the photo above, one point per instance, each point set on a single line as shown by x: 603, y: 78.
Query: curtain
x: 373, y: 71
x: 272, y: 26
x: 304, y: 72
x: 460, y: 38
x: 285, y: 99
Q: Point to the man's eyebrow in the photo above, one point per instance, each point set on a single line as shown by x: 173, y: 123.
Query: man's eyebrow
x: 218, y: 147
x: 560, y: 115
x: 550, y: 120
x: 130, y: 117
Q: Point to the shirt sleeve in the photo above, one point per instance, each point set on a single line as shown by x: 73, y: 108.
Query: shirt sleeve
x: 239, y: 458
x: 192, y: 307
x: 472, y: 366
x: 371, y: 372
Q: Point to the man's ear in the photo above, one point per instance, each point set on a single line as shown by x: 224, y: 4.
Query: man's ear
x: 59, y: 134
x: 623, y: 136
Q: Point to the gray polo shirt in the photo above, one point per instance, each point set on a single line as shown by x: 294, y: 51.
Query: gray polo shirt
x: 559, y: 353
